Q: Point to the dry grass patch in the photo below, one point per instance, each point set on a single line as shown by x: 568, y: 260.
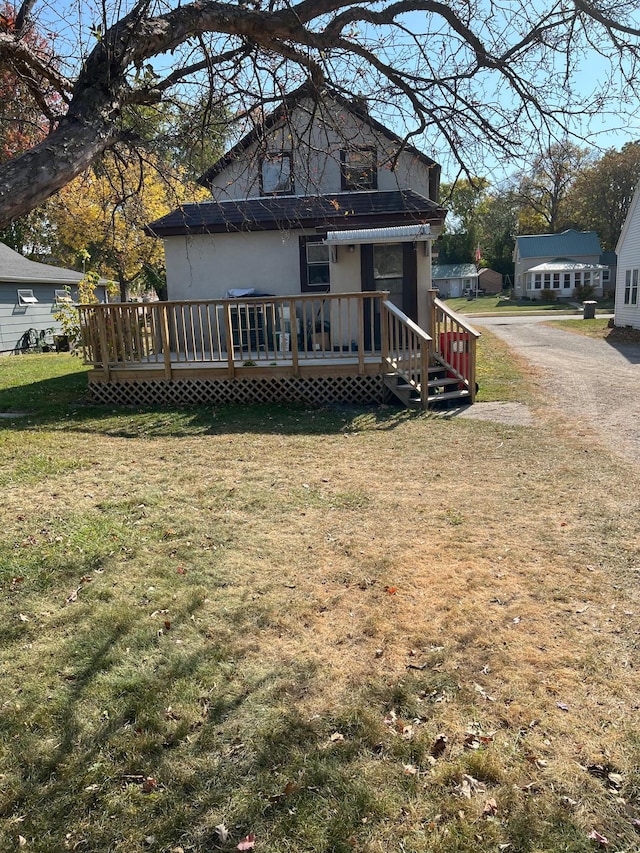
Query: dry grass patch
x: 599, y: 329
x: 335, y: 629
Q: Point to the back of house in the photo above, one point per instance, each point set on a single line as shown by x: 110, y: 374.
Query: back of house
x: 317, y: 167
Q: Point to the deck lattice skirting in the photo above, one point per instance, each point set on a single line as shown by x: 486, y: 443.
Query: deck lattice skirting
x: 316, y: 350
x: 315, y: 391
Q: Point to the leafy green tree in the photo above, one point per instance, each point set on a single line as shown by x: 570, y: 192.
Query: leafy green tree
x: 459, y: 242
x: 496, y: 223
x: 601, y: 194
x: 543, y: 191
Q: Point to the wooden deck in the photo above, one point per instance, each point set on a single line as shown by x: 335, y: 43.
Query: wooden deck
x: 354, y: 347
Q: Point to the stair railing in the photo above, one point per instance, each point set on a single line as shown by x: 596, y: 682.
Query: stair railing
x: 405, y: 348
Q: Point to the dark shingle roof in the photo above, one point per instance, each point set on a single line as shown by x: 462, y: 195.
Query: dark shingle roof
x: 18, y: 269
x: 271, y: 213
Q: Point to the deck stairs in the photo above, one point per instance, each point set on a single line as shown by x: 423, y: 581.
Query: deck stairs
x: 442, y: 388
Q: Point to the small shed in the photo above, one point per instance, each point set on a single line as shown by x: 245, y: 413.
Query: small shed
x: 490, y: 281
x: 453, y: 280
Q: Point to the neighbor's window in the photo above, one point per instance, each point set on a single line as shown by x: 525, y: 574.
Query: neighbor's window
x: 276, y: 177
x: 556, y: 281
x: 631, y: 287
x: 566, y: 280
x: 26, y: 297
x: 314, y: 265
x: 358, y: 168
x: 537, y: 281
x: 605, y: 275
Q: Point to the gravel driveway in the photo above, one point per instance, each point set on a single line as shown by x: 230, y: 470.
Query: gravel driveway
x: 591, y: 381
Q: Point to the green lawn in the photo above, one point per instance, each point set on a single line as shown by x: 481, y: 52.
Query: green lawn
x: 496, y: 304
x: 336, y: 629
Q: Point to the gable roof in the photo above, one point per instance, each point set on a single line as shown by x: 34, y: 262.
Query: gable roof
x: 279, y: 115
x: 454, y: 271
x: 17, y: 269
x: 628, y: 219
x: 271, y: 213
x: 567, y: 244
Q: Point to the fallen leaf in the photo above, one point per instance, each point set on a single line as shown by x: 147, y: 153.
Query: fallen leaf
x: 595, y: 836
x: 439, y: 745
x: 490, y: 808
x: 181, y: 571
x: 222, y: 833
x: 336, y: 737
x: 410, y: 770
x: 149, y: 785
x: 391, y: 590
x: 167, y: 625
x: 22, y: 841
x: 22, y: 617
x: 247, y: 843
x: 562, y: 706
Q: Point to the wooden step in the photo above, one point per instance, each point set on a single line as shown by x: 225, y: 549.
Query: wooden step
x: 448, y: 396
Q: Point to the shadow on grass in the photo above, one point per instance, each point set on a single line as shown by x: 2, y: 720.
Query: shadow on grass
x: 62, y: 402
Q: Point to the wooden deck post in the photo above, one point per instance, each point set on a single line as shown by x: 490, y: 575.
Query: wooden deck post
x: 293, y: 324
x: 424, y: 374
x: 166, y: 341
x: 431, y: 319
x: 361, y: 334
x: 384, y: 329
x: 228, y: 330
x: 101, y: 317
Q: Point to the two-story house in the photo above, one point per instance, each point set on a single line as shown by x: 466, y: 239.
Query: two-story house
x: 319, y: 197
x: 306, y: 277
x: 559, y: 264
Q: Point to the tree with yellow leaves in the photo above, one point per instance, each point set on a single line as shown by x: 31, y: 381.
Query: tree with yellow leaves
x: 103, y: 213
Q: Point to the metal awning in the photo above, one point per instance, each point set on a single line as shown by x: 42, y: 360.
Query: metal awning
x: 394, y: 234
x: 565, y: 265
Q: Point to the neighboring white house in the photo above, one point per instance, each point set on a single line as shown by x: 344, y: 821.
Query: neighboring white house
x: 627, y: 308
x: 452, y: 280
x: 318, y: 198
x: 558, y: 263
x: 30, y: 294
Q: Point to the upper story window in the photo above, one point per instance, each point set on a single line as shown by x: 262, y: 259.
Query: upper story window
x: 358, y: 168
x: 276, y: 176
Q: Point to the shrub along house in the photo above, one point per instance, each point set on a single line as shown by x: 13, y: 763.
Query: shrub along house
x: 307, y: 276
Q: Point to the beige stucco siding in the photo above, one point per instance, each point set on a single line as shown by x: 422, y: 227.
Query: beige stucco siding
x: 208, y: 265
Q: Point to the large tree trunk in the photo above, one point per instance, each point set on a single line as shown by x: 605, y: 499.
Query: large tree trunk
x: 29, y: 180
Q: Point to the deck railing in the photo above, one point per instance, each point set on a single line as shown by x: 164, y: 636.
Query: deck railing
x: 280, y: 332
x: 257, y: 330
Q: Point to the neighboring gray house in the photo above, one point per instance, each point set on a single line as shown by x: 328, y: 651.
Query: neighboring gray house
x: 320, y: 198
x: 627, y: 310
x: 452, y: 280
x: 558, y: 263
x: 30, y: 294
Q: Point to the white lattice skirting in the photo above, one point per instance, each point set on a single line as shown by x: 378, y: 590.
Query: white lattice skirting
x: 312, y: 391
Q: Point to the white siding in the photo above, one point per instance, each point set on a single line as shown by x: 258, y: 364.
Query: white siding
x: 628, y: 259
